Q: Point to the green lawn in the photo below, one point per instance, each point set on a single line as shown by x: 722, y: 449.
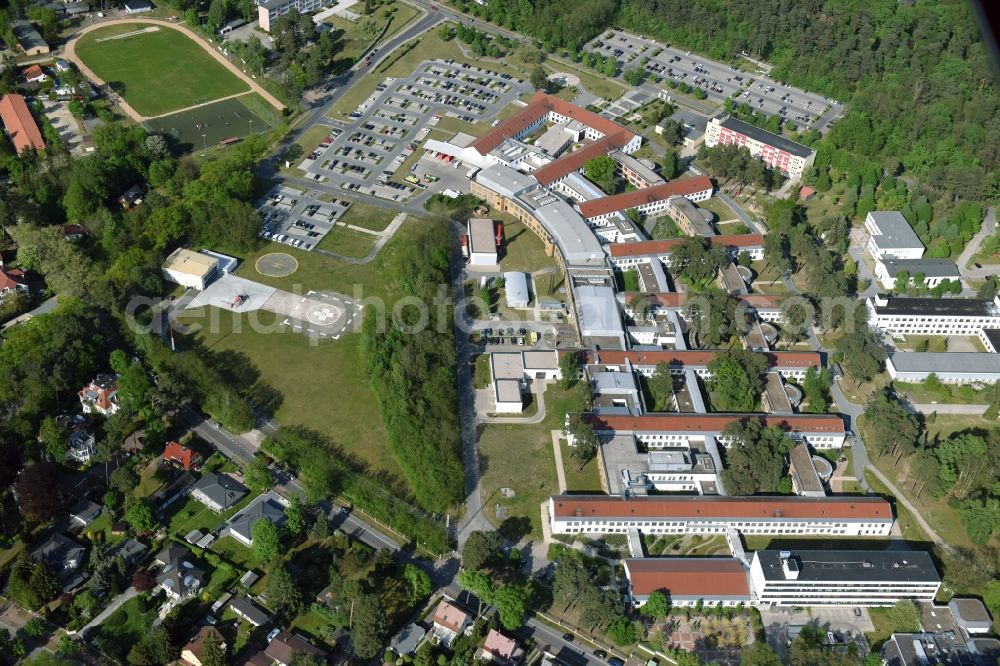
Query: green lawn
x: 722, y: 210
x: 128, y: 624
x: 158, y: 72
x: 348, y: 242
x: 481, y: 371
x: 368, y: 216
x: 233, y: 551
x: 322, y: 386
x: 579, y: 480
x: 525, y: 251
x: 503, y: 450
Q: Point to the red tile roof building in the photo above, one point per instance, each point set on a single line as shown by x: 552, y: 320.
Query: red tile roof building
x: 574, y: 161
x: 498, y: 647
x: 181, y: 455
x: 11, y: 279
x: 686, y: 580
x: 678, y: 514
x: 649, y: 200
x: 100, y: 396
x: 540, y: 108
x: 34, y: 73
x: 20, y: 124
x: 662, y: 248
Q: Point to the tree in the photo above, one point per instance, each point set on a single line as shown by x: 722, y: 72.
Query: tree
x: 671, y: 163
x: 961, y: 459
x: 31, y: 583
x: 657, y: 605
x: 368, y: 627
x: 420, y: 582
x: 34, y: 627
x: 479, y: 583
x: 584, y: 439
x: 755, y: 458
x: 760, y: 653
x: 569, y: 368
x: 601, y: 170
x: 815, y: 389
x: 661, y: 385
x: 633, y: 77
x: 623, y: 631
x: 738, y: 379
x: 295, y: 517
x: 124, y: 480
x: 696, y: 259
x: 480, y: 548
x: 257, y: 475
x: 512, y: 603
x: 265, y: 540
x: 282, y: 593
x: 38, y: 492
x: 67, y: 647
x: 892, y: 428
x: 212, y: 652
x: 863, y: 354
x: 140, y: 516
x: 143, y: 580
x: 540, y: 78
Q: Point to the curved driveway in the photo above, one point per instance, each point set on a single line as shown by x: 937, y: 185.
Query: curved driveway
x: 69, y: 53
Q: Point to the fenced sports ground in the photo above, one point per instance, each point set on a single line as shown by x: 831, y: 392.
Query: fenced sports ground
x: 204, y: 127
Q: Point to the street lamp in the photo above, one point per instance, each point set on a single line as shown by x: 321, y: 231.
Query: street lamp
x: 251, y: 126
x: 204, y: 144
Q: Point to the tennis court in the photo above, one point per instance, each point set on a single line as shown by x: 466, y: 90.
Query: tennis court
x: 206, y: 126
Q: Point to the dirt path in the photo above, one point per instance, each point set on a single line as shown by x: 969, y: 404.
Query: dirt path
x: 69, y: 53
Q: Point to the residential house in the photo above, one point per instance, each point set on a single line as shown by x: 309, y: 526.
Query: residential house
x: 194, y: 650
x: 12, y: 280
x: 129, y: 550
x: 890, y: 236
x: 82, y: 444
x: 100, y: 396
x: 131, y: 198
x: 219, y: 492
x: 449, y: 622
x: 249, y: 611
x: 409, y: 639
x: 62, y: 65
x: 178, y: 576
x: 61, y: 554
x: 73, y: 232
x: 268, y: 506
x: 34, y: 74
x: 286, y: 645
x: 498, y: 648
x: 184, y: 457
x: 84, y: 513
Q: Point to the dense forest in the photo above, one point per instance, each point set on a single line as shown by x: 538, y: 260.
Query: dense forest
x: 922, y: 89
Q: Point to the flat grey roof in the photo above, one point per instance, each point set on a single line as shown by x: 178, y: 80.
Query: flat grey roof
x: 894, y: 231
x: 645, y: 172
x: 586, y: 189
x: 508, y: 390
x: 941, y: 268
x: 481, y: 238
x: 598, y: 311
x: 578, y: 243
x: 769, y: 138
x: 853, y: 565
x: 541, y: 360
x: 802, y: 467
x: 506, y: 365
x: 516, y: 286
x: 504, y: 180
x: 946, y: 362
x: 614, y: 382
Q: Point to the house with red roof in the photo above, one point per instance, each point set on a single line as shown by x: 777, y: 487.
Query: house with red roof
x: 182, y: 456
x: 11, y: 280
x: 100, y: 396
x: 19, y: 124
x: 34, y: 74
x: 498, y: 648
x: 449, y: 622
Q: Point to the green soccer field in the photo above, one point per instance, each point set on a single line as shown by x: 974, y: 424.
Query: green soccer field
x: 205, y: 126
x: 158, y: 71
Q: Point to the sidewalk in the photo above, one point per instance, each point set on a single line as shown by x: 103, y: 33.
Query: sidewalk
x: 557, y: 452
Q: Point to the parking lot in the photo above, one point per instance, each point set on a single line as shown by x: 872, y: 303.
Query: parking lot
x: 718, y: 80
x: 298, y: 219
x: 389, y: 126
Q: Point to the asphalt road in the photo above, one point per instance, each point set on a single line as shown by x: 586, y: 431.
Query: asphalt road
x: 988, y: 228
